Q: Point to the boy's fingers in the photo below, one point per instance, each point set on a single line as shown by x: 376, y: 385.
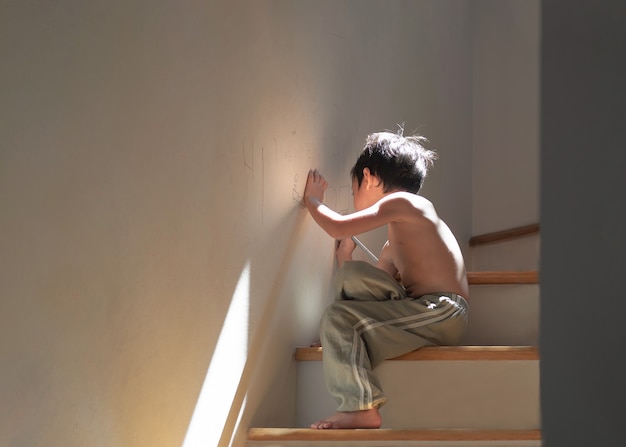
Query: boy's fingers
x: 315, y: 177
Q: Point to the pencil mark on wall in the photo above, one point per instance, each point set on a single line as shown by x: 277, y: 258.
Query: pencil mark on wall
x: 337, y: 198
x: 343, y: 199
x: 295, y: 194
x: 254, y: 174
x: 330, y: 197
x: 248, y: 157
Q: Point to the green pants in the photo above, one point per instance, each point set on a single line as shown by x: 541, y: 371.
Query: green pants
x: 372, y: 320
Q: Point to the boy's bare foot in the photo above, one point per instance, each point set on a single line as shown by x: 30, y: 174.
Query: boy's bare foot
x: 351, y: 419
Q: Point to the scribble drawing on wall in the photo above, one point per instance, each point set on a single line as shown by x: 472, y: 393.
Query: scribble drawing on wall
x: 331, y: 197
x: 343, y: 199
x: 254, y: 185
x: 337, y: 198
x: 248, y: 156
x: 295, y: 195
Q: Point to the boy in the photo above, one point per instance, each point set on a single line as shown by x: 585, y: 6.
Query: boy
x: 412, y: 298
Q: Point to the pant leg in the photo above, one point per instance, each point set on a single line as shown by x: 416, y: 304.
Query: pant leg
x: 359, y: 280
x: 359, y: 332
x: 358, y: 335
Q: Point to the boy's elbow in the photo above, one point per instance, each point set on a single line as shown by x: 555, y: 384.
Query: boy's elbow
x: 332, y: 225
x: 332, y: 230
x: 338, y: 233
x: 334, y: 234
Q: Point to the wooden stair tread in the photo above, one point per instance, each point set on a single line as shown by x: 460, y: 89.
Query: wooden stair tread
x: 503, y: 277
x: 306, y: 434
x: 504, y: 235
x: 446, y: 353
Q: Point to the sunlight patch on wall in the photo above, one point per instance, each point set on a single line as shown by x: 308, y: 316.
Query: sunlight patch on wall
x: 225, y: 370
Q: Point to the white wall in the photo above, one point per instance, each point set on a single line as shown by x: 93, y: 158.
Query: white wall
x: 505, y: 114
x: 152, y: 154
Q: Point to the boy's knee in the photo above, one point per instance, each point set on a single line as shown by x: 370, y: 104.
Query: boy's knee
x: 337, y: 314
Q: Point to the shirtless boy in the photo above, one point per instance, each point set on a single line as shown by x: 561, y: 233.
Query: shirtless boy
x: 413, y: 297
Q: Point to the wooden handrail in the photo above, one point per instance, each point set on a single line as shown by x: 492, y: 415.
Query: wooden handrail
x: 312, y: 354
x: 504, y: 235
x: 503, y: 277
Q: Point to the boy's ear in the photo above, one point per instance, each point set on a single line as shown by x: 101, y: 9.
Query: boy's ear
x: 367, y: 177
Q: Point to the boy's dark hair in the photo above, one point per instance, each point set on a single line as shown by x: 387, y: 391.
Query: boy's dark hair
x: 400, y: 162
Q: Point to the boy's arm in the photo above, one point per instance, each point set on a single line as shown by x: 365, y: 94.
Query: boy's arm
x: 343, y: 251
x: 385, y: 262
x: 341, y: 226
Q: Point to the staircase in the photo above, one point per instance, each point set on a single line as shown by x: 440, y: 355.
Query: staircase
x: 484, y: 393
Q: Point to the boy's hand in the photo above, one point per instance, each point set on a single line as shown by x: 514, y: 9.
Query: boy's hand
x: 315, y: 187
x: 344, y: 250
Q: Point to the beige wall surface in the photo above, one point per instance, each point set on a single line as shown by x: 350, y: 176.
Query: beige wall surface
x: 157, y: 269
x: 505, y: 114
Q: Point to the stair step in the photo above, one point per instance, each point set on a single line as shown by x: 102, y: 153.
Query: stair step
x: 503, y: 277
x: 446, y: 353
x: 304, y: 437
x: 473, y: 387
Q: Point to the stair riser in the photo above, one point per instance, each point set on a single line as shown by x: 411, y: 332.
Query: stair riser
x: 439, y: 394
x: 503, y: 315
x: 521, y: 254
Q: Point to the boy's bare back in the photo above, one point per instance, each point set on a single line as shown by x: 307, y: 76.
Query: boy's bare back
x: 421, y: 249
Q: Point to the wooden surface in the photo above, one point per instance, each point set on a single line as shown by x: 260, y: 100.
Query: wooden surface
x: 447, y: 353
x: 503, y: 277
x: 504, y: 235
x: 305, y: 434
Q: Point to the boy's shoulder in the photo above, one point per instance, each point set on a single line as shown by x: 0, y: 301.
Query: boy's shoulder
x: 404, y: 202
x: 408, y: 198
